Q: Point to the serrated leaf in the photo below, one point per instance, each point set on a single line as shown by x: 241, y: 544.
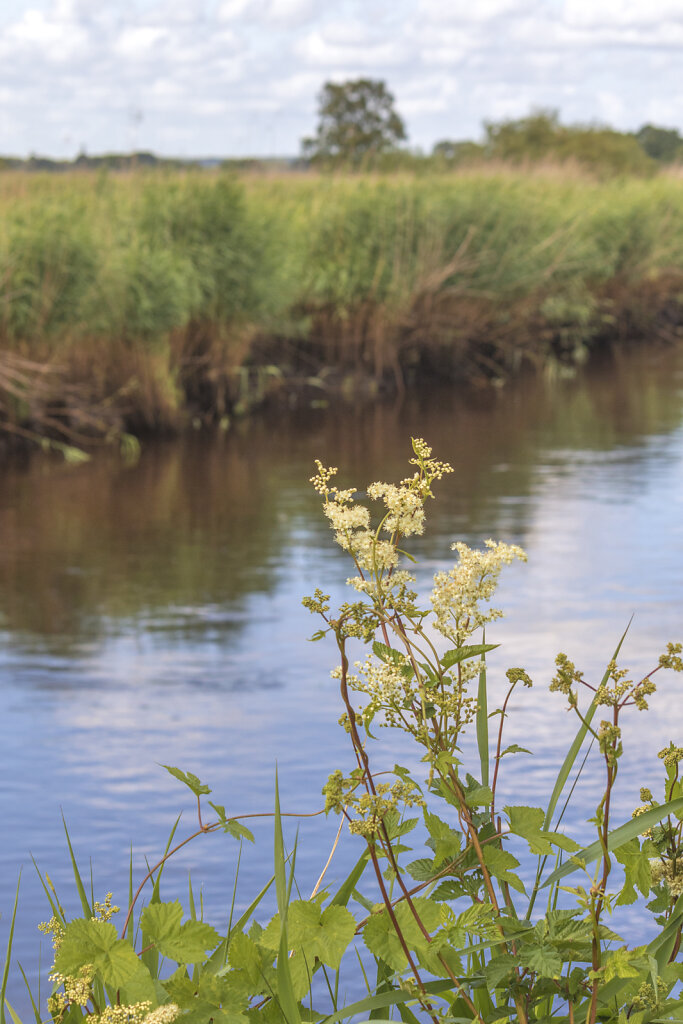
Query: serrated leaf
x: 381, y: 938
x: 96, y: 943
x: 422, y: 869
x: 515, y: 749
x: 449, y: 890
x: 324, y: 935
x: 443, y: 840
x: 191, y: 944
x: 620, y: 964
x: 458, y: 654
x: 160, y: 921
x: 239, y: 831
x: 543, y: 959
x: 499, y: 969
x: 527, y: 822
x: 499, y: 862
x: 479, y: 796
x: 637, y: 872
x: 188, y: 779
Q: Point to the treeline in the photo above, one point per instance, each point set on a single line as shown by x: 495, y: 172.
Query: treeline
x: 539, y: 138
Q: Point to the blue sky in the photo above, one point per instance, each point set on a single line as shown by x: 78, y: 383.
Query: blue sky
x: 240, y: 77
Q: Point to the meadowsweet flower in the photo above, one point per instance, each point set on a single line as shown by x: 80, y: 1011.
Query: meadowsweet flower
x: 405, y: 508
x: 104, y: 911
x: 457, y: 594
x: 135, y: 1013
x: 163, y: 1014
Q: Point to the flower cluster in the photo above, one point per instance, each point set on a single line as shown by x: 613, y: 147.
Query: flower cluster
x: 457, y: 594
x: 105, y: 911
x: 664, y: 871
x: 76, y: 989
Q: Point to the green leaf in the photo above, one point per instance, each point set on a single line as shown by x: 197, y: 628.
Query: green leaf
x: 515, y: 749
x: 616, y: 838
x: 637, y: 871
x: 577, y: 743
x: 231, y: 825
x: 324, y: 935
x: 96, y: 943
x: 443, y: 840
x: 620, y: 964
x: 8, y: 955
x: 191, y: 943
x: 499, y: 969
x: 387, y: 654
x: 479, y: 796
x: 483, y: 721
x: 543, y: 959
x: 185, y: 943
x: 422, y: 869
x: 528, y: 823
x: 161, y: 921
x: 190, y: 780
x: 458, y: 654
x: 499, y: 863
x: 381, y: 939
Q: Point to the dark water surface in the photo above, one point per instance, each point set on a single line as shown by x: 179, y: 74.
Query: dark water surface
x: 153, y: 614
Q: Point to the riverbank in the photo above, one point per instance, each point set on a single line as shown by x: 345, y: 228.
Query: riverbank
x: 145, y: 302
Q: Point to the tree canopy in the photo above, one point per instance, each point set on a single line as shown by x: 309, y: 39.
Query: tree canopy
x: 356, y: 122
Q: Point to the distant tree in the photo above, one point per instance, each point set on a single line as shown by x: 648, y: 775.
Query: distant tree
x: 356, y: 122
x: 528, y: 138
x: 664, y: 144
x: 450, y: 152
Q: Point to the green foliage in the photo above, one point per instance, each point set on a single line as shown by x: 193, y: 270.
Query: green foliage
x: 452, y: 931
x: 357, y: 122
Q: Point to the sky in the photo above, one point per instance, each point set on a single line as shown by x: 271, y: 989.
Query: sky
x: 200, y: 78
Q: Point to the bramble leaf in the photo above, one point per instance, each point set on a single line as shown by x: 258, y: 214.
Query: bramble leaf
x: 543, y: 959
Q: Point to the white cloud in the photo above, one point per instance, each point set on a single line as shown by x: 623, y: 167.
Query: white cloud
x: 78, y: 72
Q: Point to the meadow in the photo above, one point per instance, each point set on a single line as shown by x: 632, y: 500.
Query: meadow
x: 144, y: 301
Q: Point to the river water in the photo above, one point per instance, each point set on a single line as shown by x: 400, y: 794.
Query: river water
x: 151, y: 614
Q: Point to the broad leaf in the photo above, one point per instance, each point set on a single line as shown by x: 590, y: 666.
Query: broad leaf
x: 381, y: 939
x: 96, y: 943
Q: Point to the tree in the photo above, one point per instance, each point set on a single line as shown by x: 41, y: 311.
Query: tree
x: 664, y: 144
x: 356, y: 122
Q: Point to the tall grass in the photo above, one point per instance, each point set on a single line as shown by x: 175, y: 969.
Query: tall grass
x: 156, y: 287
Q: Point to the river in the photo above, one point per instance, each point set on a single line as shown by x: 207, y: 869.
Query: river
x: 151, y: 614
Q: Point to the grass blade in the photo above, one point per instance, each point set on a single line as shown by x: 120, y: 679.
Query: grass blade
x: 87, y: 909
x: 616, y: 838
x: 345, y: 890
x: 573, y: 752
x: 288, y: 1004
x: 8, y: 957
x: 395, y: 998
x: 36, y: 1011
x: 483, y: 720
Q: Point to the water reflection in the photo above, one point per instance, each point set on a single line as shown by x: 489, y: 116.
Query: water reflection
x: 151, y: 614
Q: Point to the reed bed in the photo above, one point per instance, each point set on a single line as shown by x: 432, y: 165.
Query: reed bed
x: 172, y: 295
